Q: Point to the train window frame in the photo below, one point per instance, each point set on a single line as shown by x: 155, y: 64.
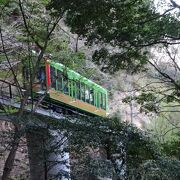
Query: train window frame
x: 59, y: 80
x: 82, y: 91
x: 78, y: 89
x: 65, y: 79
x: 95, y: 98
x: 103, y: 101
x: 53, y: 81
x: 98, y: 99
x: 87, y: 94
x: 70, y: 87
x: 74, y: 88
x: 92, y: 96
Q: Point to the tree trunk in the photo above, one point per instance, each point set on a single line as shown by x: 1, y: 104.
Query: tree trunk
x: 10, y: 159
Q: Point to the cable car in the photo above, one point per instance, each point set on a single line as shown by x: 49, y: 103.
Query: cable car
x: 68, y: 88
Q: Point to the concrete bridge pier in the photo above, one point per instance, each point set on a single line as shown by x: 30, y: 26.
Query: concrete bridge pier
x: 48, y: 154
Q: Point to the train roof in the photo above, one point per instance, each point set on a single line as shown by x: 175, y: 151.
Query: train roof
x: 76, y: 76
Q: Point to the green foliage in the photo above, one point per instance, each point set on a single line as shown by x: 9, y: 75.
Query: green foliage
x: 95, y: 133
x: 61, y: 52
x: 59, y: 48
x: 123, y: 25
x: 144, y: 97
x: 35, y: 34
x: 164, y: 128
x: 171, y: 148
x: 132, y: 60
x: 144, y: 160
x: 10, y: 110
x: 4, y: 74
x: 2, y: 2
x: 165, y: 131
x: 121, y: 28
x: 162, y: 168
x: 146, y: 100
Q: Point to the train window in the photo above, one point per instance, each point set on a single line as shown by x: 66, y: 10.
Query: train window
x: 53, y: 77
x: 59, y: 80
x: 65, y: 86
x: 78, y: 92
x: 95, y: 98
x: 102, y: 101
x: 92, y: 96
x: 87, y: 94
x: 82, y: 91
x: 72, y: 88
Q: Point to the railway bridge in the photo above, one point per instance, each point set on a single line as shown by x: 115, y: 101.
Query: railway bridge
x: 44, y: 163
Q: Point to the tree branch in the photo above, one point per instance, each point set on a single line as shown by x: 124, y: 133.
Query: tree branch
x: 11, y: 68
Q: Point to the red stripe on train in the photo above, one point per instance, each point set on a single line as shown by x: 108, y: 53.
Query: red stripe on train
x: 48, y: 75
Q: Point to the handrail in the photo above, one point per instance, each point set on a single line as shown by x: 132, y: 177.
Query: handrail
x: 7, y: 82
x: 7, y: 90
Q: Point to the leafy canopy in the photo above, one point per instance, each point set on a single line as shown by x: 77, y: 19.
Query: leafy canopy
x: 120, y: 29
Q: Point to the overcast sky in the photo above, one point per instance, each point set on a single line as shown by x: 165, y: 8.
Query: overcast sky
x: 163, y: 5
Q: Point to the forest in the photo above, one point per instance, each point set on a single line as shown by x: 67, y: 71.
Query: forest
x: 127, y: 49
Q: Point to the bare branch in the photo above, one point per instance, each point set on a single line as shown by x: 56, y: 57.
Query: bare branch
x: 172, y: 58
x: 26, y: 25
x: 174, y: 4
x: 11, y: 68
x: 165, y: 75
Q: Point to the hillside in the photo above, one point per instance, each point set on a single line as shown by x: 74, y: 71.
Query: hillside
x: 127, y: 47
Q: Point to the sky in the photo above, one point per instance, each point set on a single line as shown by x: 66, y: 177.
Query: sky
x: 163, y: 4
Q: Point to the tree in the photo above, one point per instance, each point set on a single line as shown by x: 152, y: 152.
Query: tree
x: 110, y: 136
x: 120, y: 29
x: 122, y: 32
x: 125, y: 152
x: 28, y: 30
